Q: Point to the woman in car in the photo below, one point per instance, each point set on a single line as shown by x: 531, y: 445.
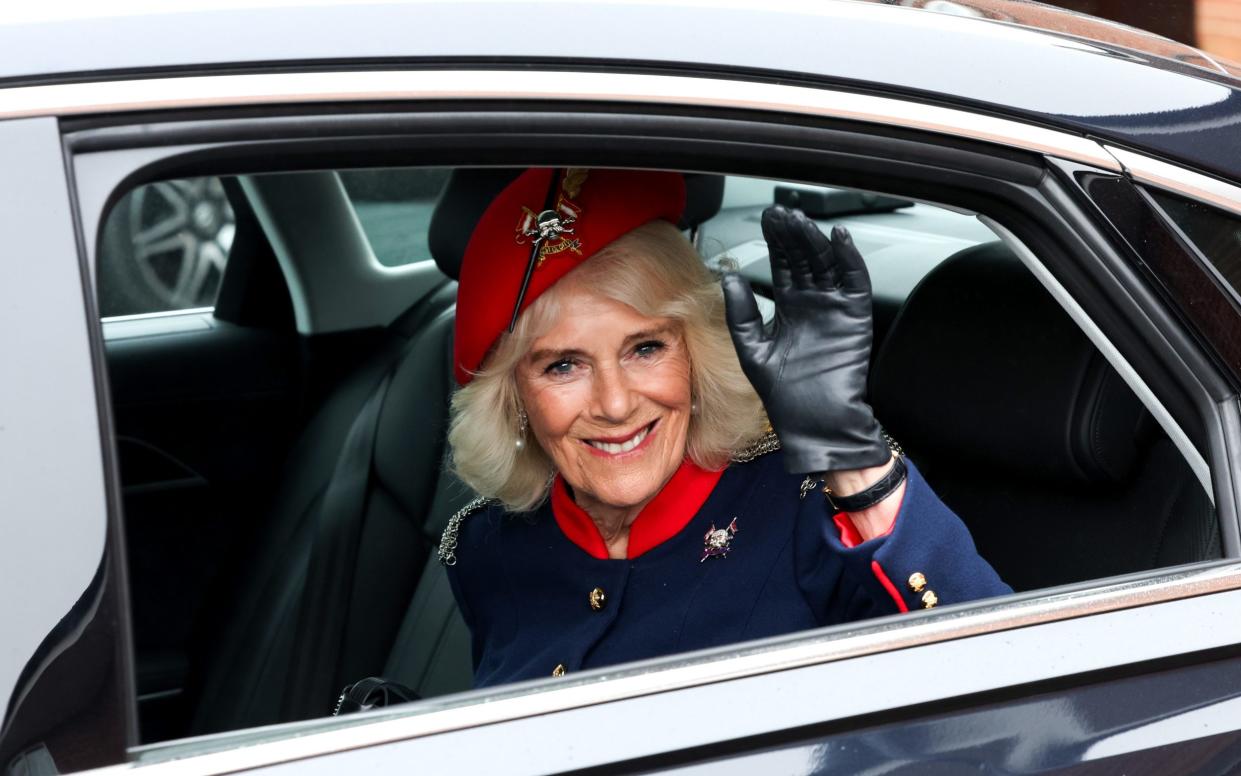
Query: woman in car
x: 616, y: 416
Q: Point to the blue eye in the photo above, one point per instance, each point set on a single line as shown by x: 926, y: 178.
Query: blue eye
x: 649, y: 348
x: 561, y: 367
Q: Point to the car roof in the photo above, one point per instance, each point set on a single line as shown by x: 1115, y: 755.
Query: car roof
x: 1014, y: 58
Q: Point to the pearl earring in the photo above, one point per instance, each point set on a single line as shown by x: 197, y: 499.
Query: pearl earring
x: 522, y: 422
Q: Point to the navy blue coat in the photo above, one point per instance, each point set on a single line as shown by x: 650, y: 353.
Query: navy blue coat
x: 525, y: 589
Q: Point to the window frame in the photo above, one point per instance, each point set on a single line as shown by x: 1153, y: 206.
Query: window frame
x: 64, y: 608
x: 190, y: 146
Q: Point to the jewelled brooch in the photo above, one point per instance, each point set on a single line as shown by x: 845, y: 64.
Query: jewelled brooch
x: 718, y: 541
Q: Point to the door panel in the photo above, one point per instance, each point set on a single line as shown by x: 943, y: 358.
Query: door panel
x: 1178, y: 720
x: 203, y: 410
x: 203, y: 418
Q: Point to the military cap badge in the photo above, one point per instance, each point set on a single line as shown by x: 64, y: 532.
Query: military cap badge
x: 552, y: 228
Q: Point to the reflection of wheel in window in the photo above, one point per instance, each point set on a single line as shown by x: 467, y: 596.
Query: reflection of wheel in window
x: 164, y: 247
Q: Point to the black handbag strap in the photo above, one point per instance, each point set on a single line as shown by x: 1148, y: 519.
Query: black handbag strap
x: 320, y: 631
x: 373, y: 692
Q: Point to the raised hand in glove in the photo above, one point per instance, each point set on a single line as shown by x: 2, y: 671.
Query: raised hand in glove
x: 809, y: 367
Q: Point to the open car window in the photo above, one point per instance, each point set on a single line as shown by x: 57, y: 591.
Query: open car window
x: 976, y: 369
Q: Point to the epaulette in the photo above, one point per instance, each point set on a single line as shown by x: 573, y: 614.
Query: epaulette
x: 767, y: 443
x: 448, y: 542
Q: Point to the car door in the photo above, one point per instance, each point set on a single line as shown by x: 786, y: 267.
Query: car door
x: 924, y: 687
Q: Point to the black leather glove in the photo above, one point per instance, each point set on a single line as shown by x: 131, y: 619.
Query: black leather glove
x: 810, y: 367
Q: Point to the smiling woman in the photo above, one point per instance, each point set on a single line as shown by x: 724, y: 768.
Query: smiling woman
x: 614, y: 417
x: 624, y: 414
x: 640, y: 312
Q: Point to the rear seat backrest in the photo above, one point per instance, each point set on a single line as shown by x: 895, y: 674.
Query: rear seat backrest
x: 431, y: 652
x: 244, y: 678
x: 1024, y: 429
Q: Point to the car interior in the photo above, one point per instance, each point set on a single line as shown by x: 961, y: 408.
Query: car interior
x: 230, y: 424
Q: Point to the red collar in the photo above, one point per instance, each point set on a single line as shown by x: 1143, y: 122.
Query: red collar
x: 661, y: 519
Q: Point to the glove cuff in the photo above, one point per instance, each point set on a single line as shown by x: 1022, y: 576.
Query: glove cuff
x: 869, y: 446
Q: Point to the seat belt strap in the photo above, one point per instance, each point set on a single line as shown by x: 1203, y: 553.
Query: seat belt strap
x: 312, y: 683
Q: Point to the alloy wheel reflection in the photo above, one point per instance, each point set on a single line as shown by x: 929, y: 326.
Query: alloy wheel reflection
x: 181, y: 232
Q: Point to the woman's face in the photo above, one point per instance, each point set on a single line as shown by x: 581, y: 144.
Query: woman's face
x: 607, y: 392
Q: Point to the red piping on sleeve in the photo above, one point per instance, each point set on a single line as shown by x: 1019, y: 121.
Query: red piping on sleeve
x: 887, y: 585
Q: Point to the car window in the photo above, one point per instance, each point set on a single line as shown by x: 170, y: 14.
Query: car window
x: 394, y: 208
x: 164, y: 247
x: 1216, y: 234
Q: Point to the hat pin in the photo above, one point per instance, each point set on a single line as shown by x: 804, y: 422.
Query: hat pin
x: 536, y: 249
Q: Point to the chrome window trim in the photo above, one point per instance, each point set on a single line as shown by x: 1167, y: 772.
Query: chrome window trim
x: 240, y: 750
x: 1195, y: 185
x: 380, y: 85
x: 160, y: 314
x: 1197, y: 463
x: 123, y: 327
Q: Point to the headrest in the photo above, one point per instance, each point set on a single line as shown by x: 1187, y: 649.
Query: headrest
x: 462, y: 201
x: 469, y: 191
x: 704, y: 194
x: 983, y: 368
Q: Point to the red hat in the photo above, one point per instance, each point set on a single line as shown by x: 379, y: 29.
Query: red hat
x: 586, y: 211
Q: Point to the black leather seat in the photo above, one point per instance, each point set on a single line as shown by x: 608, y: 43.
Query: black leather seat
x: 402, y: 621
x: 1029, y: 435
x: 247, y: 674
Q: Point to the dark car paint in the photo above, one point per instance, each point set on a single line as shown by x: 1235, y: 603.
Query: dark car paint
x: 1088, y: 729
x: 1131, y: 97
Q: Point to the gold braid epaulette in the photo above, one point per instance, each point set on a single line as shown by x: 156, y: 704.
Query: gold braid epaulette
x: 448, y: 542
x: 767, y: 443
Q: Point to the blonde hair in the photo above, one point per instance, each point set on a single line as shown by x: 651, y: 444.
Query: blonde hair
x: 656, y: 271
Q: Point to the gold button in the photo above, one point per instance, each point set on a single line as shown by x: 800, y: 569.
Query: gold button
x: 917, y: 581
x: 929, y: 599
x: 558, y: 670
x: 598, y: 598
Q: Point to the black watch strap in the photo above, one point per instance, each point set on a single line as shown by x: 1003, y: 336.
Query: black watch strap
x: 872, y: 495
